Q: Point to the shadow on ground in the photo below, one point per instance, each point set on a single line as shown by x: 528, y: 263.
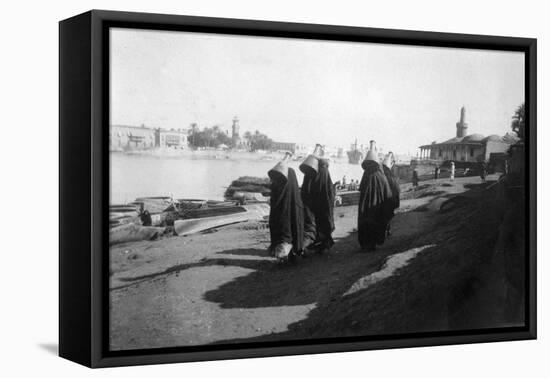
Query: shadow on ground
x: 255, y: 264
x: 310, y: 280
x: 51, y: 348
x: 460, y: 284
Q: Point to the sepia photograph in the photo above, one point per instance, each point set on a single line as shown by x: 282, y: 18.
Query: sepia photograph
x: 267, y: 189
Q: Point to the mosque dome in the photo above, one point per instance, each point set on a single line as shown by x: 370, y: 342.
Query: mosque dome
x: 473, y: 138
x: 493, y: 138
x: 453, y: 140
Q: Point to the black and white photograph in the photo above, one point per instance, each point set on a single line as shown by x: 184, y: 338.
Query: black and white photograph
x: 267, y: 189
x: 290, y: 188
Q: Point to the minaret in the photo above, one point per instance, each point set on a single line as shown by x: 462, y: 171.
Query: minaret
x: 462, y: 126
x: 235, y: 137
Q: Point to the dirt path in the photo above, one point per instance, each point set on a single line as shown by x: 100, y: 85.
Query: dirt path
x: 221, y: 287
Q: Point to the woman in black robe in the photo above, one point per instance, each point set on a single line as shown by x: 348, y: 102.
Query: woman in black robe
x: 393, y: 202
x: 318, y: 198
x: 373, y: 210
x: 286, y: 222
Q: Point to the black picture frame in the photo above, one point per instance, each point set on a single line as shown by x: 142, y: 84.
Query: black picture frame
x: 84, y: 186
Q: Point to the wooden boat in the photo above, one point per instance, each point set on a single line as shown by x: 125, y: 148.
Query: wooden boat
x: 123, y: 214
x: 153, y: 205
x: 194, y: 208
x: 115, y: 220
x: 123, y: 208
x: 186, y: 215
x: 191, y: 203
x: 216, y: 218
x: 250, y: 196
x: 347, y: 198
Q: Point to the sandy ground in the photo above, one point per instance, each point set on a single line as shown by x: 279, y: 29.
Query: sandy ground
x: 222, y: 287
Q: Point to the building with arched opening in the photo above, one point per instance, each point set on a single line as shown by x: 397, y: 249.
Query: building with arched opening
x: 469, y: 148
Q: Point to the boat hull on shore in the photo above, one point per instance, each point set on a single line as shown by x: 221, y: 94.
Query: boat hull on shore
x: 244, y: 214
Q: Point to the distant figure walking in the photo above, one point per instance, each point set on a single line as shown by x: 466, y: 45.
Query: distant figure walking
x: 483, y: 172
x: 372, y: 215
x: 318, y: 197
x: 145, y: 218
x: 393, y: 202
x: 415, y: 178
x: 452, y: 170
x: 344, y: 182
x: 286, y: 221
x: 437, y: 172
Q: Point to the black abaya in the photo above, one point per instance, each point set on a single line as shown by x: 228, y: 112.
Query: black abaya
x: 394, y: 186
x: 286, y: 221
x: 373, y: 210
x: 318, y: 197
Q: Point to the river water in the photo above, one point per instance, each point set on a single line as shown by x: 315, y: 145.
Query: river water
x: 202, y: 177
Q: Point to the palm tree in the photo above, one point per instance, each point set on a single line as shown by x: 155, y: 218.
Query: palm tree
x: 518, y: 121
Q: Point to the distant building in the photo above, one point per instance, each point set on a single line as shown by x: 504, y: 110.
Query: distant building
x: 123, y: 137
x: 171, y: 138
x: 467, y: 148
x: 283, y: 146
x: 301, y: 149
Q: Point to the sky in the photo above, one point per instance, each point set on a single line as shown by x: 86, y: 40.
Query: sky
x: 310, y: 91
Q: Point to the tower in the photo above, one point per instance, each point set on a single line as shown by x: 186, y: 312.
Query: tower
x: 235, y: 137
x: 462, y: 126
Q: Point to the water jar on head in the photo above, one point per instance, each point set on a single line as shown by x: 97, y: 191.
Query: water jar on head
x: 280, y: 170
x: 371, y: 154
x: 311, y: 163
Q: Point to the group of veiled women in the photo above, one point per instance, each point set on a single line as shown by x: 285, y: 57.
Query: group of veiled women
x: 301, y: 219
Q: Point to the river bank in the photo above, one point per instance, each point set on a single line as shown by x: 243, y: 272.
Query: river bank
x: 221, y: 286
x: 197, y: 175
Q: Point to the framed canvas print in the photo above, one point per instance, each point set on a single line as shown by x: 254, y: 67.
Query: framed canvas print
x: 234, y: 188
